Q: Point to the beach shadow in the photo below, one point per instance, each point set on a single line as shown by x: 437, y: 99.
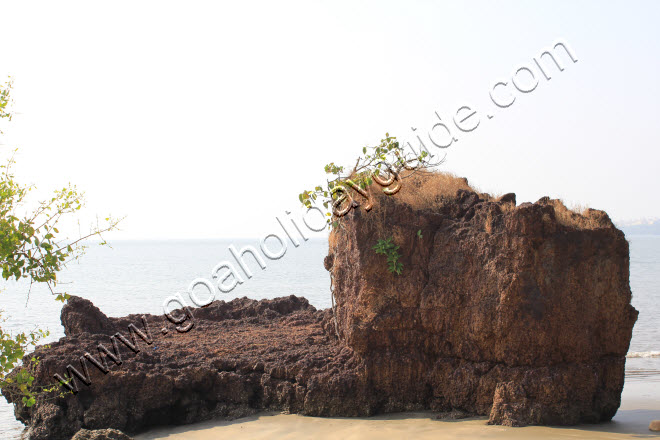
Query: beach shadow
x: 163, y: 431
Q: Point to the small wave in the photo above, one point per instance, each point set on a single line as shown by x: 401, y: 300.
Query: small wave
x: 643, y: 354
x: 643, y: 375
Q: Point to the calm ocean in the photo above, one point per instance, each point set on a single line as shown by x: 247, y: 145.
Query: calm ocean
x: 136, y: 276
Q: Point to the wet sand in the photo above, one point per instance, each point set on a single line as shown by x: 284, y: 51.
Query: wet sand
x: 640, y: 405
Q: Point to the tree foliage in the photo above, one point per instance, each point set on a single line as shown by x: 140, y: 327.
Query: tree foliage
x: 382, y: 164
x: 31, y: 247
x: 29, y: 244
x: 5, y: 100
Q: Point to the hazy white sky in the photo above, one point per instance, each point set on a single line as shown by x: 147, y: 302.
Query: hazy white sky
x: 206, y: 119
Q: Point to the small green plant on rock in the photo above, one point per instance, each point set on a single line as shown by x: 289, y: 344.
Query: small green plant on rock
x: 389, y: 249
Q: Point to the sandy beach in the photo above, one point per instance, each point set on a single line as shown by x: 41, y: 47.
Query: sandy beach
x: 640, y: 405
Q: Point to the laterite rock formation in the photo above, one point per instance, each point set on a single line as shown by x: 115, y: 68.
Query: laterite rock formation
x: 518, y: 313
x: 521, y: 313
x: 239, y: 357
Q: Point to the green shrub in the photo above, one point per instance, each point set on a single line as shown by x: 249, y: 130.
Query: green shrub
x: 389, y: 249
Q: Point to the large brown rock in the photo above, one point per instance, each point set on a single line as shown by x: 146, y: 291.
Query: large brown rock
x: 518, y: 313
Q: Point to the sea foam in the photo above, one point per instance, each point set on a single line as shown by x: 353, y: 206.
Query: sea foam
x: 643, y: 354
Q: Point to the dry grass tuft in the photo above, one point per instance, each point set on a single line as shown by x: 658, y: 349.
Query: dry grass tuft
x: 507, y: 207
x: 420, y: 190
x: 580, y: 217
x: 425, y: 190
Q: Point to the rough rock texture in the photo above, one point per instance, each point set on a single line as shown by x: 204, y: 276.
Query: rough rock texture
x: 518, y: 313
x: 80, y: 315
x: 100, y: 434
x: 238, y: 358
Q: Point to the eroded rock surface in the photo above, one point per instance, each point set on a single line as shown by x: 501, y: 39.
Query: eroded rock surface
x: 518, y: 313
x: 240, y: 357
x: 100, y: 434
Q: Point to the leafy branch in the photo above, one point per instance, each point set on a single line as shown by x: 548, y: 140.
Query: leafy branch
x: 31, y: 247
x: 28, y: 245
x: 382, y: 164
x: 20, y: 381
x: 5, y: 100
